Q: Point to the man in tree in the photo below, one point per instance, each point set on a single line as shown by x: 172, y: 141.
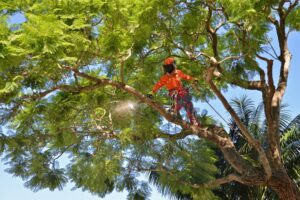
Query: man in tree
x: 178, y: 93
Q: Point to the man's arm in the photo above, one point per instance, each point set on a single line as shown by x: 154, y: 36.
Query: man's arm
x: 162, y: 81
x: 184, y: 76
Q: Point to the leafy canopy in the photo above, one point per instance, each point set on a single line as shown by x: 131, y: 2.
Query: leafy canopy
x: 50, y: 111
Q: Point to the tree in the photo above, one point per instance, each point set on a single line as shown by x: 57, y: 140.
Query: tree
x: 252, y: 118
x: 67, y: 71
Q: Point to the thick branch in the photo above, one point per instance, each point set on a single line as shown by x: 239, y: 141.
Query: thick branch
x: 285, y: 56
x: 274, y: 98
x: 285, y: 59
x: 251, y: 85
x: 269, y: 73
x: 255, y: 143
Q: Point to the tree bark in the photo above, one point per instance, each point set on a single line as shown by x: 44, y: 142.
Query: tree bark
x: 285, y: 188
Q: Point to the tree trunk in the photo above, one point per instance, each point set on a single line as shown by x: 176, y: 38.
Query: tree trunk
x: 285, y: 188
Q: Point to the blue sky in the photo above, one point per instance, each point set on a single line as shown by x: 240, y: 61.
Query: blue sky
x: 11, y: 188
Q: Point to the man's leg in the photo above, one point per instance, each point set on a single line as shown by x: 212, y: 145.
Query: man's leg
x: 189, y: 108
x: 191, y: 113
x: 177, y: 104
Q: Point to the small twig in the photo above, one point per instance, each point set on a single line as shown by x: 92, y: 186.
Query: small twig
x: 272, y: 48
x: 276, y: 58
x: 230, y: 57
x: 97, y: 23
x: 262, y: 58
x: 150, y: 51
x: 202, y: 54
x: 123, y: 59
x: 186, y: 52
x: 291, y: 6
x: 220, y: 25
x: 272, y: 20
x: 62, y: 152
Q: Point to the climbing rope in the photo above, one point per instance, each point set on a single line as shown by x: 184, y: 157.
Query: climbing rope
x: 197, y: 90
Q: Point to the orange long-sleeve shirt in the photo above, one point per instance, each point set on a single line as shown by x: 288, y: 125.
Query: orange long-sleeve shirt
x: 171, y: 81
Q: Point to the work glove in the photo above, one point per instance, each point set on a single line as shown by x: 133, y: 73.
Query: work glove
x: 150, y: 95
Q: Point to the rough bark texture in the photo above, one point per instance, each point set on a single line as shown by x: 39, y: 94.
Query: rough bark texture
x: 281, y: 183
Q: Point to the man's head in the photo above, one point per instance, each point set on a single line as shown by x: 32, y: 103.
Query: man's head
x: 169, y: 65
